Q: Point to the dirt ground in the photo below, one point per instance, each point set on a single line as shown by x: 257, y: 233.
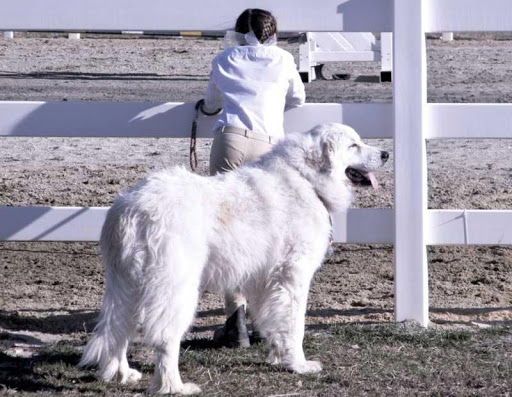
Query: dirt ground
x: 52, y: 291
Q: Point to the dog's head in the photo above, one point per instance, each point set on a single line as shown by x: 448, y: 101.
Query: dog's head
x: 341, y: 160
x: 344, y: 152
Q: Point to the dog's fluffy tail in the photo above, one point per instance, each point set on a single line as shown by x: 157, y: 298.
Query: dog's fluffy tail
x: 107, y: 347
x: 96, y: 352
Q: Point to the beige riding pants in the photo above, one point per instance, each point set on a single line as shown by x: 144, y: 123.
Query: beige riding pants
x: 231, y: 148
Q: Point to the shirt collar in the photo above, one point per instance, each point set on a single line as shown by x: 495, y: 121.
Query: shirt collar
x: 236, y: 39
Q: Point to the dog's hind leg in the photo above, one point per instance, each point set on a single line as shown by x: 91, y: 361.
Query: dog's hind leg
x: 175, y: 318
x: 169, y: 303
x: 279, y: 313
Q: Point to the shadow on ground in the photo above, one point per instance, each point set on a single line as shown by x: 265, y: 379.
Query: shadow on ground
x: 74, y: 321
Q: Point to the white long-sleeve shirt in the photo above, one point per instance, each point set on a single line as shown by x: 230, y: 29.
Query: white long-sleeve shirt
x: 254, y: 85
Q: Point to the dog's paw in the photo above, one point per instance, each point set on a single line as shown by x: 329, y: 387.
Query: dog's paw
x: 186, y: 389
x: 305, y: 367
x: 129, y: 376
x: 189, y: 389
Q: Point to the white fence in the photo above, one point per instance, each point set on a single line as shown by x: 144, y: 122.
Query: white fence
x: 409, y: 120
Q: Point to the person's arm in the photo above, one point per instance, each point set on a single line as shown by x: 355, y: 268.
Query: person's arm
x: 296, y: 95
x: 212, y: 97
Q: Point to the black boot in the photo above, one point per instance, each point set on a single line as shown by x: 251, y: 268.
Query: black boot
x: 256, y: 337
x: 234, y: 332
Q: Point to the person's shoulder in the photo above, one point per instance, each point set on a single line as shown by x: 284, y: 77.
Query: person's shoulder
x: 254, y: 51
x: 281, y: 50
x: 277, y: 50
x: 224, y: 54
x: 282, y: 53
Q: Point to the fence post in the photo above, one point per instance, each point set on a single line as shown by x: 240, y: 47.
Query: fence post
x: 411, y: 268
x: 386, y: 56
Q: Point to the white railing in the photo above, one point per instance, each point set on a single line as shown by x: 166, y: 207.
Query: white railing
x: 409, y: 120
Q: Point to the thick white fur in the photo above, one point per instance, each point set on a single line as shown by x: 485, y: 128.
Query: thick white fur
x: 263, y: 228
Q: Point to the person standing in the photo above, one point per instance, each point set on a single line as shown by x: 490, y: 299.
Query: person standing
x: 254, y: 82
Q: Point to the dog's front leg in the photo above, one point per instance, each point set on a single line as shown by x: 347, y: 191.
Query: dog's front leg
x: 298, y: 362
x: 167, y: 377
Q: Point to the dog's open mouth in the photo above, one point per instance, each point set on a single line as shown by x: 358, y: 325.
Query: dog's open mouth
x: 358, y: 177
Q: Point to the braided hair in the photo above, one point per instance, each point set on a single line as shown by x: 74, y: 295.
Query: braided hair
x: 261, y: 22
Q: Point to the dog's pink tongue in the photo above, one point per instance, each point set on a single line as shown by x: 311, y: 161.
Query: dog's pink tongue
x: 373, y: 180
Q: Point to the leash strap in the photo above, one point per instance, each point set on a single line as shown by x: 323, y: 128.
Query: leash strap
x: 193, y: 134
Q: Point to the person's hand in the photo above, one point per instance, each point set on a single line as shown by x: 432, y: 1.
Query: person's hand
x: 200, y: 106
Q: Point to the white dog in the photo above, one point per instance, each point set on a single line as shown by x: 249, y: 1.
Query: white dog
x: 263, y: 228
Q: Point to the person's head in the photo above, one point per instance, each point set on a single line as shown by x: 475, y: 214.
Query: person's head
x: 261, y: 22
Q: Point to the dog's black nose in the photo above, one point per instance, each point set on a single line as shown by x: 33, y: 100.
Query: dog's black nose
x: 384, y: 155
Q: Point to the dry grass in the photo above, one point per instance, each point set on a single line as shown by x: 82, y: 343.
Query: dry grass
x: 358, y: 360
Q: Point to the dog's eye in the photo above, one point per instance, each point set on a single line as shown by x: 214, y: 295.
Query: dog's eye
x: 354, y: 146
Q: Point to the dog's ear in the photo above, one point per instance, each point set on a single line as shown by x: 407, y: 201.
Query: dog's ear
x: 328, y: 146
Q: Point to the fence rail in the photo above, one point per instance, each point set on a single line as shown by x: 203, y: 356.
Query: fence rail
x: 174, y: 119
x: 200, y: 15
x: 203, y: 15
x: 356, y: 226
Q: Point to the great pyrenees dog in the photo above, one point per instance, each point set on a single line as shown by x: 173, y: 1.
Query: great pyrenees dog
x: 263, y: 228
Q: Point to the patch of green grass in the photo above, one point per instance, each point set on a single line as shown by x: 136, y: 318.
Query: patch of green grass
x: 399, y: 335
x: 358, y: 360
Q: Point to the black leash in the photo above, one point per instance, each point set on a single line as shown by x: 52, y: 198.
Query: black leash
x: 199, y: 107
